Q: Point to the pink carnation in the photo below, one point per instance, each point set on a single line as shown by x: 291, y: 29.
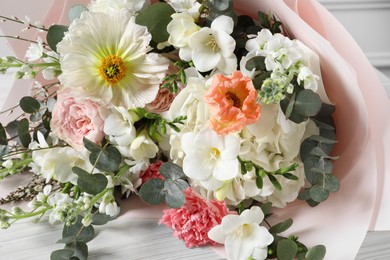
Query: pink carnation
x: 73, y: 119
x: 195, y: 218
x: 152, y: 172
x: 162, y: 102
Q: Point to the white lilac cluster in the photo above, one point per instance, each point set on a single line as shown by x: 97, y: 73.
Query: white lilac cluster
x: 286, y: 59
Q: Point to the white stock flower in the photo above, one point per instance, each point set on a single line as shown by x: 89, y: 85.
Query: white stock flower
x: 35, y: 51
x: 109, y: 206
x: 143, y: 147
x: 120, y: 130
x: 58, y: 201
x: 242, y: 235
x: 213, y: 47
x: 115, y: 5
x: 104, y: 57
x: 56, y: 163
x: 210, y: 159
x: 190, y: 7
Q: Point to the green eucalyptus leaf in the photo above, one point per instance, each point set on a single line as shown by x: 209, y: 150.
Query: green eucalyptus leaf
x: 259, y: 79
x: 55, y: 34
x: 152, y: 191
x: 330, y: 182
x: 107, y: 160
x: 75, y: 12
x: 29, y: 104
x: 172, y: 171
x: 318, y: 193
x: 62, y: 254
x: 24, y: 132
x: 37, y: 116
x: 80, y: 250
x: 266, y: 207
x: 264, y: 20
x: 316, y: 253
x: 286, y: 249
x: 46, y: 118
x: 100, y: 218
x: 90, y: 183
x: 91, y: 146
x: 156, y: 18
x: 12, y: 128
x: 182, y: 184
x: 4, y: 150
x: 308, y: 103
x: 281, y: 227
x: 256, y: 63
x: 80, y: 232
x: 3, y: 136
x: 290, y: 106
x: 174, y: 196
x: 304, y: 195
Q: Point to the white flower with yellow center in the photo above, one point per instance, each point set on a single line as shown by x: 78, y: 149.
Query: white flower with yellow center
x: 242, y: 235
x: 213, y: 47
x: 210, y: 158
x: 105, y: 57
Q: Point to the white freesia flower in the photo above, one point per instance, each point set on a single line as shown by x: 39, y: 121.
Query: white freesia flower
x: 35, y: 51
x: 109, y: 206
x: 190, y: 7
x: 210, y: 159
x: 180, y: 30
x: 115, y: 5
x: 143, y: 147
x: 119, y: 127
x: 105, y: 57
x: 213, y: 47
x: 242, y: 235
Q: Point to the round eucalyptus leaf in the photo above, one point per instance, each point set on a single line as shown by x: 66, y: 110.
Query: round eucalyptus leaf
x: 62, y: 254
x: 316, y: 253
x: 55, y: 34
x: 318, y: 193
x: 286, y: 249
x: 29, y: 104
x: 330, y: 183
x: 307, y: 103
x: 152, y: 191
x: 80, y: 250
x: 75, y: 12
x: 174, y: 196
x: 172, y: 171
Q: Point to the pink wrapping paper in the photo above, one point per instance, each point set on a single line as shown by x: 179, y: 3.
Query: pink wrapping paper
x: 362, y: 127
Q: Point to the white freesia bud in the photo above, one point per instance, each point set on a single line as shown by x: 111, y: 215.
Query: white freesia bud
x: 143, y: 147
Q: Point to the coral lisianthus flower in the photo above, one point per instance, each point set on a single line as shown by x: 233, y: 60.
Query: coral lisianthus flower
x: 105, y: 57
x: 232, y: 103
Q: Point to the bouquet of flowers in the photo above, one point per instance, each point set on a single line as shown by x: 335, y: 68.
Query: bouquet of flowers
x: 221, y: 116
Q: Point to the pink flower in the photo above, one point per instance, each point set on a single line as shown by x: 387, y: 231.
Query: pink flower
x: 162, y: 102
x: 73, y: 119
x: 195, y: 218
x: 152, y: 172
x: 232, y: 103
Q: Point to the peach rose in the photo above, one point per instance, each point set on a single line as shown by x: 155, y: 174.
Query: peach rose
x: 232, y: 103
x: 73, y: 119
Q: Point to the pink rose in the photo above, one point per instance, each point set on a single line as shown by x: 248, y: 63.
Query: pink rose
x: 73, y: 119
x: 152, y: 172
x: 195, y: 218
x: 232, y: 103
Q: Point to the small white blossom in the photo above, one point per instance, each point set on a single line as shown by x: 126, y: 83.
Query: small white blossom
x: 190, y: 7
x: 143, y: 147
x: 35, y: 51
x: 242, y: 235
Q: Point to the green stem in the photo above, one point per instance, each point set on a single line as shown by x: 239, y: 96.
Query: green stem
x: 30, y: 214
x: 17, y: 165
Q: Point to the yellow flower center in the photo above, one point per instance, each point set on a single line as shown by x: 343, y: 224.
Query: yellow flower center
x: 215, y: 153
x: 213, y: 44
x: 112, y: 69
x: 233, y: 99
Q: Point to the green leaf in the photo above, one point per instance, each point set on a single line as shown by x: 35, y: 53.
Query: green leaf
x: 258, y: 80
x: 55, y: 34
x: 29, y: 104
x: 264, y: 20
x: 100, y: 218
x: 152, y: 191
x: 24, y: 132
x: 172, y: 171
x: 91, y: 146
x: 316, y: 253
x: 290, y: 176
x: 156, y: 18
x: 107, y: 160
x: 4, y: 150
x: 281, y: 227
x: 75, y: 12
x: 286, y: 249
x: 308, y: 103
x: 174, y: 196
x: 266, y: 207
x: 80, y: 250
x: 90, y: 183
x: 62, y: 254
x: 274, y: 182
x: 330, y: 182
x: 290, y: 106
x: 318, y: 193
x: 78, y: 231
x: 259, y: 182
x: 3, y: 136
x: 182, y: 184
x: 37, y: 116
x: 256, y: 63
x: 12, y: 128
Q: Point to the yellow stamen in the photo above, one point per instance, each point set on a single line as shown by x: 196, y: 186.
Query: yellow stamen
x: 112, y: 69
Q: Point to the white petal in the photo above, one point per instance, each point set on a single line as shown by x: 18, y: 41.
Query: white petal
x: 232, y: 147
x: 225, y: 42
x: 253, y: 215
x: 217, y: 235
x: 231, y: 223
x: 194, y: 166
x: 237, y: 248
x: 205, y: 60
x: 228, y: 64
x: 226, y: 169
x: 224, y: 23
x: 212, y: 184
